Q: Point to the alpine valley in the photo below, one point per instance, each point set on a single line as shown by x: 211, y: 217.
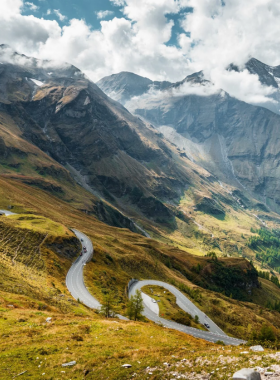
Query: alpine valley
x: 172, y: 182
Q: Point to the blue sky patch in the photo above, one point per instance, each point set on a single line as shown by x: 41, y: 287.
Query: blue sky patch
x: 88, y: 10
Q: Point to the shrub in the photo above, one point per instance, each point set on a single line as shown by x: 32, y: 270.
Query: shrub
x: 183, y: 318
x: 77, y: 337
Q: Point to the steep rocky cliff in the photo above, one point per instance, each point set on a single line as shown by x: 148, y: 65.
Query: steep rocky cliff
x: 236, y: 141
x: 111, y: 153
x: 61, y: 133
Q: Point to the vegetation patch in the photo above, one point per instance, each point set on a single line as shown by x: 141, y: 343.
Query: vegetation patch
x: 266, y: 243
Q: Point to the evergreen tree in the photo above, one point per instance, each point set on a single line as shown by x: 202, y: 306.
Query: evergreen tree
x: 266, y: 334
x: 109, y: 305
x: 135, y: 306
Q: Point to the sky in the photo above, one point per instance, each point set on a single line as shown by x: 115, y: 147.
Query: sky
x: 159, y: 39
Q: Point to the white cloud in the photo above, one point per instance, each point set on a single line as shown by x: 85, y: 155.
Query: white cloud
x: 31, y: 6
x: 154, y: 96
x: 242, y: 85
x: 234, y: 32
x: 59, y: 15
x: 133, y: 43
x: 104, y: 14
x: 118, y: 3
x: 10, y: 7
x: 215, y: 36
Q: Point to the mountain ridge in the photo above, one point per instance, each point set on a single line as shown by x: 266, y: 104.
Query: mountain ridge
x: 131, y: 174
x: 190, y: 120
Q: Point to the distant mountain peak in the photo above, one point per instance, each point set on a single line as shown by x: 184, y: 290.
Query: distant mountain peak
x: 125, y: 85
x: 267, y: 74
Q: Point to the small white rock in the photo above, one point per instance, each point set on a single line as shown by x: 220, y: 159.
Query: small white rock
x: 69, y: 364
x: 257, y: 348
x: 126, y: 365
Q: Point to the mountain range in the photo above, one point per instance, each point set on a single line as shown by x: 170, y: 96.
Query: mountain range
x: 188, y: 166
x: 235, y: 141
x: 175, y: 182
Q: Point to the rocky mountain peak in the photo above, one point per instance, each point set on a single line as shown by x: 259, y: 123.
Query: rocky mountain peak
x: 124, y: 85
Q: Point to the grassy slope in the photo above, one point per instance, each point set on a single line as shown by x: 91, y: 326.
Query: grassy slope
x: 101, y: 347
x: 24, y: 162
x: 34, y: 258
x: 121, y: 255
x: 227, y: 236
x: 38, y: 291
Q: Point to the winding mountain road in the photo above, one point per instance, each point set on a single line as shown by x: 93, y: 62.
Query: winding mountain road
x: 76, y: 286
x: 74, y: 279
x: 213, y: 335
x: 7, y: 213
x: 182, y: 301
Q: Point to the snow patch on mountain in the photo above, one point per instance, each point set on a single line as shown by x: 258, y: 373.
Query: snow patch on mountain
x: 37, y: 82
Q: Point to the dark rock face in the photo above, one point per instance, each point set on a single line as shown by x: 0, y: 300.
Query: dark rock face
x: 236, y: 141
x: 113, y: 217
x: 74, y: 122
x: 210, y: 206
x: 67, y: 247
x: 267, y: 74
x: 127, y: 161
x: 75, y: 126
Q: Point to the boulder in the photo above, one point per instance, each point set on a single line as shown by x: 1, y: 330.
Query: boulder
x: 246, y: 374
x: 257, y: 348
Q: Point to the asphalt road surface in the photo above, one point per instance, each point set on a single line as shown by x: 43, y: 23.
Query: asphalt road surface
x: 74, y: 279
x: 213, y: 335
x: 7, y: 213
x: 76, y: 286
x: 149, y: 302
